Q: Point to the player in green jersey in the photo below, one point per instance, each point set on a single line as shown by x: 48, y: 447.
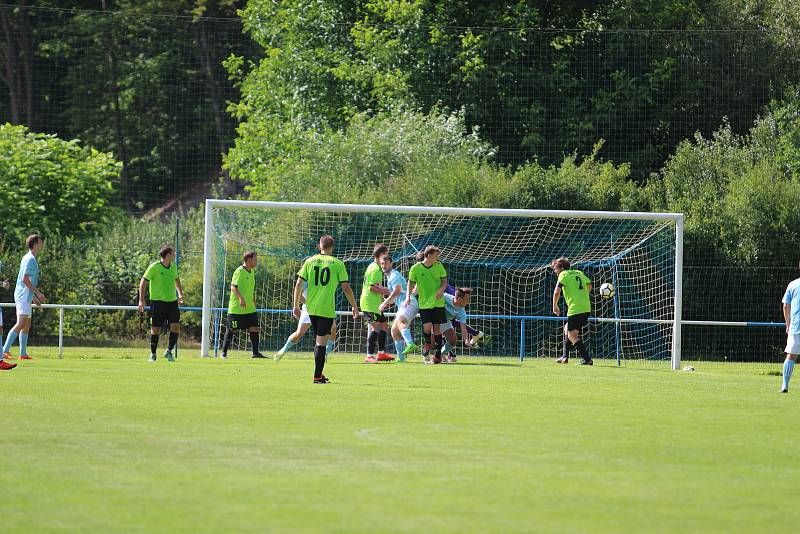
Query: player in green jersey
x: 162, y: 276
x: 576, y: 288
x: 324, y: 275
x: 430, y: 279
x: 373, y: 290
x: 242, y: 305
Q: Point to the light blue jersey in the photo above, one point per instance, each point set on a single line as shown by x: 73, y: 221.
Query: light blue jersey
x: 28, y: 266
x: 452, y: 311
x: 792, y: 297
x: 394, y: 279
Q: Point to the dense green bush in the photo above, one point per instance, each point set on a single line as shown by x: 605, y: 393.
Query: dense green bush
x: 739, y: 193
x: 588, y: 185
x: 52, y: 186
x: 404, y: 157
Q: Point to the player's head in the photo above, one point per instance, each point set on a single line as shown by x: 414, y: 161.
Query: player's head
x: 560, y: 264
x: 167, y: 253
x: 432, y: 253
x: 463, y: 295
x: 387, y: 264
x: 326, y: 244
x: 379, y: 250
x: 249, y: 259
x: 35, y: 242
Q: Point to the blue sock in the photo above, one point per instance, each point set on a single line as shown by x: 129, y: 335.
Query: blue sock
x: 400, y: 346
x: 12, y: 337
x: 23, y: 344
x: 407, y: 337
x: 788, y: 367
x: 329, y: 346
x: 446, y: 348
x: 289, y: 345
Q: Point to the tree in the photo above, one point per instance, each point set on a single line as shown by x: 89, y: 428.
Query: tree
x: 53, y: 186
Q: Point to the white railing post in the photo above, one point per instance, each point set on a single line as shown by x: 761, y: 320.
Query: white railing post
x: 61, y: 332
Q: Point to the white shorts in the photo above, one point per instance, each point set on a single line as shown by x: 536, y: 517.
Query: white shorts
x: 304, y: 318
x: 445, y: 326
x: 408, y: 313
x: 23, y: 308
x: 792, y: 344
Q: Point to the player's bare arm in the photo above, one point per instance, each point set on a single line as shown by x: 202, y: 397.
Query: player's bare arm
x: 411, y: 287
x: 442, y: 287
x: 37, y: 295
x: 348, y: 292
x: 787, y: 314
x: 391, y: 298
x: 556, y: 298
x: 235, y: 291
x: 142, y: 289
x: 179, y: 287
x: 298, y: 295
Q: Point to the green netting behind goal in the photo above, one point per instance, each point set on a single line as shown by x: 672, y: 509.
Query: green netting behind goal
x: 505, y: 259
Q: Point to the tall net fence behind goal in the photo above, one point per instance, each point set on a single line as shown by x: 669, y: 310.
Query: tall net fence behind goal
x: 504, y: 255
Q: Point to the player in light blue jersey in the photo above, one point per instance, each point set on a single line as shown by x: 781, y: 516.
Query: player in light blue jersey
x: 455, y: 312
x: 25, y: 294
x: 401, y: 326
x: 791, y: 315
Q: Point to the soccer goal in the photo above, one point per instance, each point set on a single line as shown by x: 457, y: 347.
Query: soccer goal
x: 504, y: 255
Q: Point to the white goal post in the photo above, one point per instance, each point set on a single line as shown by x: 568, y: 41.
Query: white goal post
x: 602, y: 228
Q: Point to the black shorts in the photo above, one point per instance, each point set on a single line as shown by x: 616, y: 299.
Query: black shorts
x: 433, y: 315
x: 322, y: 325
x: 577, y: 321
x: 161, y: 311
x: 242, y: 321
x: 376, y: 317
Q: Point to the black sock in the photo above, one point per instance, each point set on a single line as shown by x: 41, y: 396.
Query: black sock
x: 382, y: 341
x: 372, y: 340
x: 439, y: 342
x: 226, y: 344
x: 581, y: 349
x: 319, y: 360
x: 173, y: 340
x: 254, y: 341
x: 565, y: 348
x: 153, y: 343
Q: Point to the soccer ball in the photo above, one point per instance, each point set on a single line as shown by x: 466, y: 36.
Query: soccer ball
x: 607, y: 290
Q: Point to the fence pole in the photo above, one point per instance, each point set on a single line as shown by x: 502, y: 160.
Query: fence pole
x: 61, y: 332
x: 177, y: 257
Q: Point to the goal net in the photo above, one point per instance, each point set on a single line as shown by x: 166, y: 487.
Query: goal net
x: 504, y: 255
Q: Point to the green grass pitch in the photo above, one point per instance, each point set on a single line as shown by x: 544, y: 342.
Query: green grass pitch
x: 113, y: 443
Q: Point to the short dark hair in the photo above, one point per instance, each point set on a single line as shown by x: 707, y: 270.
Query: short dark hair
x: 326, y: 242
x: 379, y: 250
x: 249, y: 255
x: 165, y: 250
x: 562, y: 263
x: 386, y: 257
x: 431, y: 249
x: 461, y: 291
x: 32, y: 239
